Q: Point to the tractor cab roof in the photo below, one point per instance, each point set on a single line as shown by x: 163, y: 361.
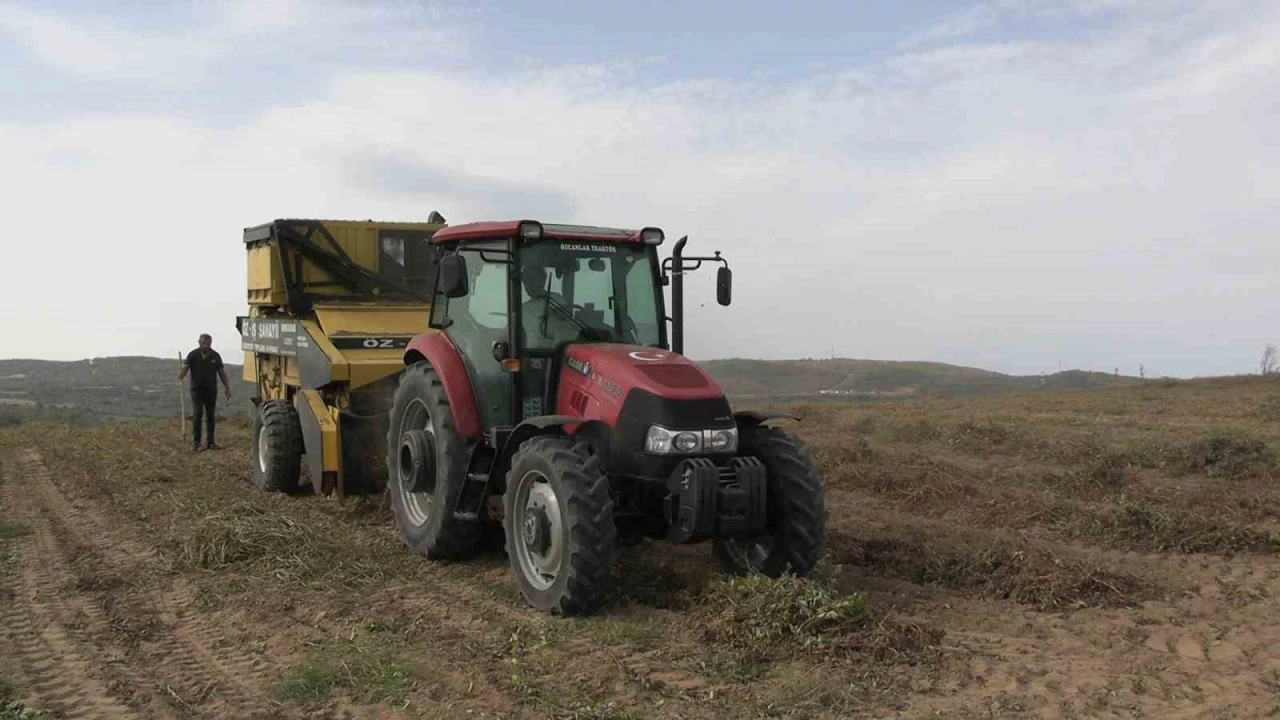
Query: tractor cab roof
x: 534, y: 230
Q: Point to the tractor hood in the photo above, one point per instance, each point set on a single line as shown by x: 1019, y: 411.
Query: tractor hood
x: 618, y: 368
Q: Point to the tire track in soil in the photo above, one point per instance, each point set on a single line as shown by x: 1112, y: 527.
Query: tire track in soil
x: 203, y: 657
x: 185, y: 657
x: 205, y: 637
x: 46, y: 632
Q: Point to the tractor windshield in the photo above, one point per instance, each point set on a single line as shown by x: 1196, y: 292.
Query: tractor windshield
x: 601, y: 291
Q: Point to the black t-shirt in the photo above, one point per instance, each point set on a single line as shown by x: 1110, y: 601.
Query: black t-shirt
x: 204, y: 370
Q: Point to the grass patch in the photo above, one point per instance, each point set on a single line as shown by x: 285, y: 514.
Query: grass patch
x: 529, y: 635
x: 1108, y: 470
x: 1230, y: 454
x: 978, y: 435
x: 530, y: 649
x: 277, y: 544
x: 855, y: 450
x: 14, y: 710
x: 805, y: 690
x: 522, y: 683
x: 1268, y: 408
x: 531, y: 692
x: 912, y: 478
x: 366, y: 672
x: 1218, y: 454
x: 755, y: 610
x: 914, y: 431
x: 91, y: 576
x: 11, y: 529
x: 11, y: 709
x: 992, y: 569
x: 731, y: 666
x: 593, y: 710
x: 764, y: 619
x: 615, y: 632
x: 1164, y: 528
x: 245, y: 533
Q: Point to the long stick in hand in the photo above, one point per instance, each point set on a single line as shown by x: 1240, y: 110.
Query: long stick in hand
x: 182, y: 399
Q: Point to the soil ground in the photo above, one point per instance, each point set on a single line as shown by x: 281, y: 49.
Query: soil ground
x: 1073, y: 554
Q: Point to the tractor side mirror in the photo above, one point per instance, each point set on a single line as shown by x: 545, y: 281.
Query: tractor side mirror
x: 453, y: 276
x: 724, y: 285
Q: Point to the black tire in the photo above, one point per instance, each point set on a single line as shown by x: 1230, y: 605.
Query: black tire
x: 425, y: 517
x: 797, y: 510
x: 586, y: 532
x: 275, y: 454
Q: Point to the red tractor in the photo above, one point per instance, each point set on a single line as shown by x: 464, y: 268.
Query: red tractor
x: 553, y: 385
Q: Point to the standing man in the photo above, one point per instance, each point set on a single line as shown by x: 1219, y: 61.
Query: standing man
x: 205, y: 365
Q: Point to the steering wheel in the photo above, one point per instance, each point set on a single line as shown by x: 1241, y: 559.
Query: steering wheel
x: 629, y: 329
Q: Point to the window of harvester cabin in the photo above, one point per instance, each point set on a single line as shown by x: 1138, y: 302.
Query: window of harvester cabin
x: 405, y: 256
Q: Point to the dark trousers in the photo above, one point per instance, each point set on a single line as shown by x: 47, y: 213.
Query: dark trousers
x: 204, y: 402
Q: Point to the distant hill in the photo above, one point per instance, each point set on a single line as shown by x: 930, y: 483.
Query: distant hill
x: 840, y: 377
x: 120, y: 387
x: 104, y: 389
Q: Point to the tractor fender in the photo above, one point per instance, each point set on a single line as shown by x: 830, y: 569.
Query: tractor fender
x: 437, y: 349
x: 751, y: 418
x: 593, y: 431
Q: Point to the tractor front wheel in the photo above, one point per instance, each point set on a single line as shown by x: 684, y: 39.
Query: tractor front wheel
x: 559, y: 525
x: 276, y: 452
x: 427, y: 467
x: 793, y: 537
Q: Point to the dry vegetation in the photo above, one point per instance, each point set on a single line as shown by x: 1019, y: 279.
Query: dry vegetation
x: 1075, y: 554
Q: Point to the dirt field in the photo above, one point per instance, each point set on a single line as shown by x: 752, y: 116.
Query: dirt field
x: 1089, y: 554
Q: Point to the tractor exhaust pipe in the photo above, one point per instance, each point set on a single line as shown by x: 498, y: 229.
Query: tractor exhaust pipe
x: 677, y: 296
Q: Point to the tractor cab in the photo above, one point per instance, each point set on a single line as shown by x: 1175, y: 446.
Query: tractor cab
x: 514, y: 296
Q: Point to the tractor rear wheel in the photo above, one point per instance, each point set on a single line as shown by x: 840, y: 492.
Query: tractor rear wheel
x: 276, y: 450
x: 427, y: 467
x: 559, y: 525
x: 797, y: 512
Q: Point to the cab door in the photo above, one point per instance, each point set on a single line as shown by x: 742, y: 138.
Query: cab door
x: 477, y: 321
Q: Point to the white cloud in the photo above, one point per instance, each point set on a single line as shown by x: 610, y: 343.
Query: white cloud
x: 1002, y: 204
x: 97, y: 47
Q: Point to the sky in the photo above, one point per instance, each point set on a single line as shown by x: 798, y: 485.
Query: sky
x: 1016, y: 185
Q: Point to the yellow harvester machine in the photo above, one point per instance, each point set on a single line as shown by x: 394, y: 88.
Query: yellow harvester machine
x: 332, y: 306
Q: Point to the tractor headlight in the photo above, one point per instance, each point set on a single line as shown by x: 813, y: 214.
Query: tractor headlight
x: 687, y: 442
x: 723, y: 440
x: 661, y: 441
x: 657, y: 440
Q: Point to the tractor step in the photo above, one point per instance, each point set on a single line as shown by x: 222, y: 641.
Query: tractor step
x: 476, y: 488
x: 471, y: 498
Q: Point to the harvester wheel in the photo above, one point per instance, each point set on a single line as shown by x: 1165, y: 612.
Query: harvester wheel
x: 426, y: 468
x: 559, y: 525
x: 797, y: 513
x: 276, y: 451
